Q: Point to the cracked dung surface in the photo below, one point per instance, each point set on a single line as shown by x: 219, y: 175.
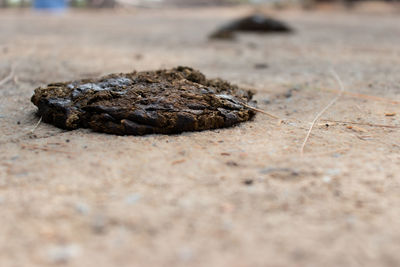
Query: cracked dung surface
x: 138, y: 103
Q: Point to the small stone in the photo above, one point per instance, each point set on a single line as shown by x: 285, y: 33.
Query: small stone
x: 260, y: 66
x: 185, y: 254
x: 248, y: 181
x: 327, y: 179
x: 82, y: 208
x: 63, y: 253
x: 99, y: 223
x: 266, y: 101
x: 333, y: 171
x: 132, y: 199
x: 232, y: 163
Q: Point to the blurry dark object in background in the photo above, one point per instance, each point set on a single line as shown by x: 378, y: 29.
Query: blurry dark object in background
x: 201, y: 2
x: 254, y: 23
x: 260, y: 66
x: 101, y: 3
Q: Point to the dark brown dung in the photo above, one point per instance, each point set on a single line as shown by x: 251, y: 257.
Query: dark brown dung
x: 255, y: 23
x: 164, y: 101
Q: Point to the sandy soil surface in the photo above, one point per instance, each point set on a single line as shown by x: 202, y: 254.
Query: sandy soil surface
x: 242, y: 196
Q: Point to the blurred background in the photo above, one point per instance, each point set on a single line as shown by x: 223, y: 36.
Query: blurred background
x: 116, y: 3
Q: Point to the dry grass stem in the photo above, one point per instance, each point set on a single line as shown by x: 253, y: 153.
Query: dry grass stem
x: 36, y: 125
x: 262, y: 111
x: 365, y: 124
x: 36, y: 147
x: 323, y: 111
x: 9, y: 77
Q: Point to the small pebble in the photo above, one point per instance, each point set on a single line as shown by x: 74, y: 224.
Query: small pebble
x: 138, y: 56
x: 99, y: 224
x: 63, y: 253
x: 327, y: 179
x: 232, y: 163
x: 260, y: 66
x: 333, y: 171
x: 248, y: 181
x: 133, y: 198
x: 266, y: 101
x: 82, y: 208
x: 185, y: 254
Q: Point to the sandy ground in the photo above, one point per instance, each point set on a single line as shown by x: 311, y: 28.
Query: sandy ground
x: 242, y: 196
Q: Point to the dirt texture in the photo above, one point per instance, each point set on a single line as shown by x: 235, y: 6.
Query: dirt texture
x: 165, y: 101
x: 238, y: 196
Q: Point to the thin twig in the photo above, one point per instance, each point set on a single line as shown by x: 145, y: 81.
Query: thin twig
x: 47, y: 149
x: 365, y: 124
x: 16, y: 80
x: 323, y: 110
x: 261, y: 111
x: 36, y: 125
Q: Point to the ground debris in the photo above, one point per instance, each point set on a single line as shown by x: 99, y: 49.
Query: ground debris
x: 63, y: 253
x: 356, y: 129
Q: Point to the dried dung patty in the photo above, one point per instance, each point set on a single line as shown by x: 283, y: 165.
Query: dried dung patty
x: 138, y: 103
x: 257, y: 23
